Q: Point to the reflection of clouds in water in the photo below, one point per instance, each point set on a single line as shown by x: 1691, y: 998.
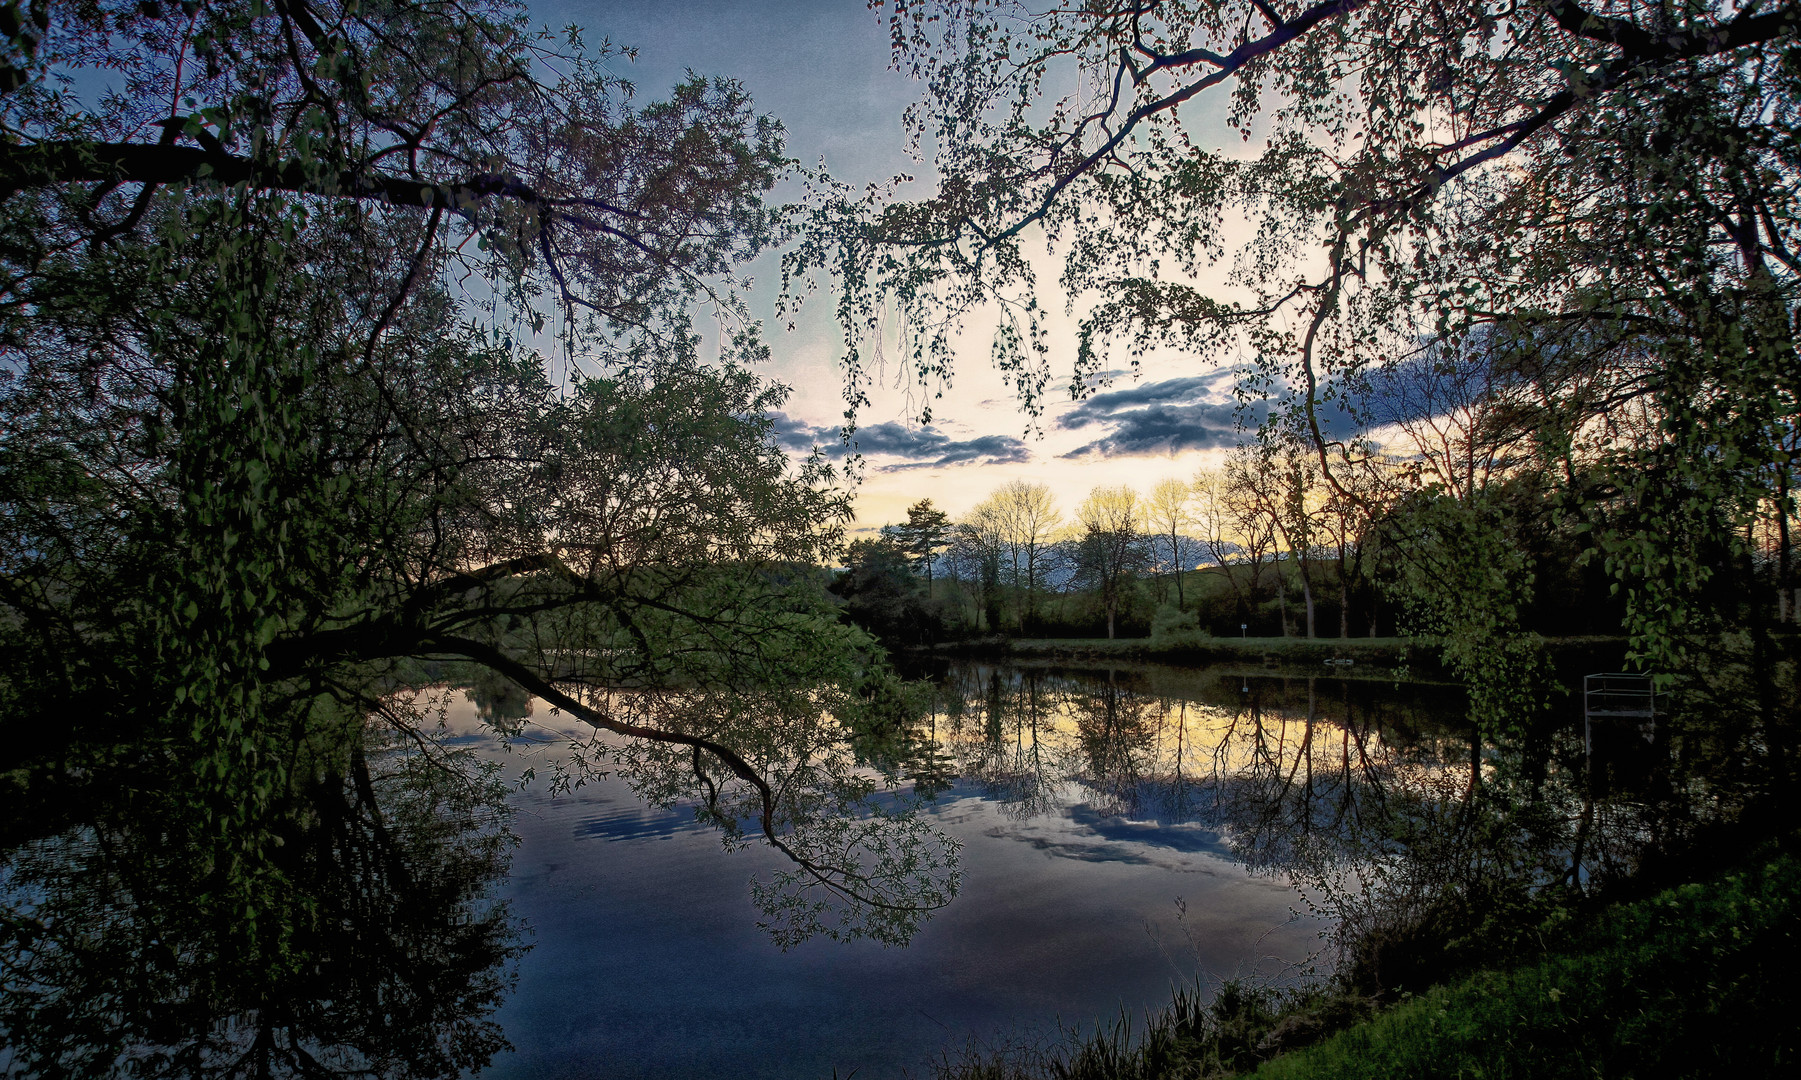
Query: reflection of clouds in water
x: 1085, y: 835
x: 620, y: 820
x: 1299, y: 755
x: 646, y: 946
x: 967, y: 808
x: 1189, y: 837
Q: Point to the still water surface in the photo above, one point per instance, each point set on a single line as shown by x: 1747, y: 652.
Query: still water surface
x: 1123, y: 832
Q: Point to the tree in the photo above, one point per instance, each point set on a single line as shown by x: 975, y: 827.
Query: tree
x: 1348, y: 520
x: 612, y: 210
x: 1111, y: 548
x: 1294, y: 514
x: 1230, y: 535
x: 925, y: 532
x: 1166, y: 515
x: 1274, y: 490
x: 263, y: 461
x: 880, y: 592
x: 977, y: 553
x: 1599, y: 186
x: 1456, y: 414
x: 1022, y: 516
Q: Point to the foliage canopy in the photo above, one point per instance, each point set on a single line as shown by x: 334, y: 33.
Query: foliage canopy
x: 1601, y: 197
x: 276, y: 444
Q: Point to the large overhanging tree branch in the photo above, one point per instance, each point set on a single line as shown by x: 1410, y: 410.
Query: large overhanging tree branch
x: 527, y: 143
x: 1380, y: 107
x: 894, y: 899
x: 264, y: 460
x: 1060, y: 159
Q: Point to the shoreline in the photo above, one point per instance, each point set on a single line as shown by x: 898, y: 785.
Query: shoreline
x: 1392, y: 658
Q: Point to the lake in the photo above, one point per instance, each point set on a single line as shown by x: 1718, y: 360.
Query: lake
x: 413, y: 909
x: 1123, y: 831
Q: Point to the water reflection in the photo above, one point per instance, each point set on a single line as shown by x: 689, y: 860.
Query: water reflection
x: 1367, y: 797
x: 1271, y: 761
x: 382, y: 952
x: 1087, y: 802
x: 1377, y: 801
x: 650, y: 946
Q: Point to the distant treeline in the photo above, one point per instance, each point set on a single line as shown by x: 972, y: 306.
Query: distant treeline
x: 1263, y: 546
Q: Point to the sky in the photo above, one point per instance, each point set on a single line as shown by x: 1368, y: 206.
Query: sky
x: 821, y: 67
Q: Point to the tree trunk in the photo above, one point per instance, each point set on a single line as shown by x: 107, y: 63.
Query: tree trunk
x: 1784, y: 565
x: 1175, y: 559
x: 1031, y: 588
x: 1019, y: 605
x: 1344, y: 597
x: 1307, y: 595
x: 1282, y: 596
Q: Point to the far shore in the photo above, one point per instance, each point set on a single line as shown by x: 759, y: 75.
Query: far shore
x: 1407, y: 659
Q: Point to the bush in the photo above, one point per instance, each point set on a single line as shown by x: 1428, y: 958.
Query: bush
x: 1173, y: 628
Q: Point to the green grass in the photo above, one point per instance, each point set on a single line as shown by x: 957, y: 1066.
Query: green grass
x: 1417, y: 658
x: 1697, y: 981
x: 1383, y: 653
x: 1198, y: 1035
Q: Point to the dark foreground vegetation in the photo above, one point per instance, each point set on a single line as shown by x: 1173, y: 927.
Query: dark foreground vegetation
x: 347, y: 348
x: 346, y: 345
x: 1690, y: 981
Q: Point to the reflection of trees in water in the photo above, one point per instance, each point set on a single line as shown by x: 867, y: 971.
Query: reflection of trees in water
x: 1378, y: 801
x: 1272, y: 763
x: 1295, y: 766
x: 499, y: 701
x: 1354, y: 791
x: 800, y: 781
x: 376, y: 950
x: 1002, y: 733
x: 383, y: 955
x: 1292, y: 768
x: 1117, y: 736
x: 1021, y: 734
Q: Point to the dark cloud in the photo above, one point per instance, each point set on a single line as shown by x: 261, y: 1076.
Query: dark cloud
x: 987, y: 450
x: 923, y: 447
x: 1187, y: 389
x: 791, y: 434
x: 1163, y: 417
x: 1173, y: 415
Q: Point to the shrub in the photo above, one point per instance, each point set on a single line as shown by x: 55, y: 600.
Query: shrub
x: 1173, y: 628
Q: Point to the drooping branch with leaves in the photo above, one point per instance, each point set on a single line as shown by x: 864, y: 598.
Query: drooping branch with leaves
x: 517, y: 142
x: 278, y: 443
x: 1600, y: 197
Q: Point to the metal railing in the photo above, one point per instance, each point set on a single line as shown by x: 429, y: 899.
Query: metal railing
x: 1621, y: 695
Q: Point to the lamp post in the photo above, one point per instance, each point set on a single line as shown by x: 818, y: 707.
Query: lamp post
x: 1244, y: 631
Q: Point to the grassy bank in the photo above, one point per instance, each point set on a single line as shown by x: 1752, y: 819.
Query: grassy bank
x: 1371, y: 651
x: 1382, y: 656
x: 1696, y: 981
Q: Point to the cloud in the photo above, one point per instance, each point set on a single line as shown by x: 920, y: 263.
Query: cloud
x: 1187, y: 388
x: 791, y: 434
x: 1163, y: 417
x: 922, y: 447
